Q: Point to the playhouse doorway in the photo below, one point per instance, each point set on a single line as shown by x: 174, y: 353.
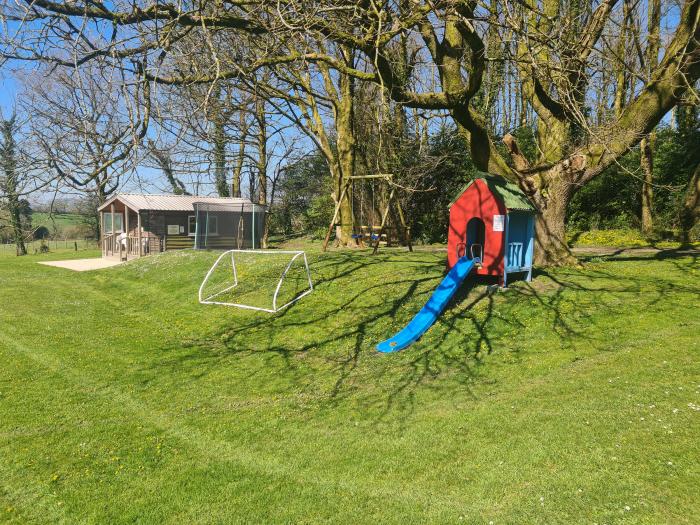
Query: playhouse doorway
x: 476, y: 236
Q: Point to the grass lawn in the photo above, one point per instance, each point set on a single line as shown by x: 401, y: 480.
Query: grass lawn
x: 573, y: 399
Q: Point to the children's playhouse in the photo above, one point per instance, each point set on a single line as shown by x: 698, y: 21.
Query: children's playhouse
x: 491, y: 232
x: 493, y: 220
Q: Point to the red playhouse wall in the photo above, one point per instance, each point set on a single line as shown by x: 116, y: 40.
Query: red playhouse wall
x: 477, y: 201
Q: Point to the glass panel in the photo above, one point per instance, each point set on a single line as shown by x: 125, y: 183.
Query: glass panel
x: 191, y: 225
x: 213, y: 224
x: 118, y: 222
x: 108, y: 222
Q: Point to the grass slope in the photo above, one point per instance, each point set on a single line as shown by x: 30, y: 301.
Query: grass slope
x: 570, y: 400
x: 59, y: 220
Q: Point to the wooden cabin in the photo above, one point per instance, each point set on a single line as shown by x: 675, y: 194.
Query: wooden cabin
x: 494, y: 220
x: 133, y: 225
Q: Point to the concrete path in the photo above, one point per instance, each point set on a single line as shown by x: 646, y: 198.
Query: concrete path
x: 83, y: 265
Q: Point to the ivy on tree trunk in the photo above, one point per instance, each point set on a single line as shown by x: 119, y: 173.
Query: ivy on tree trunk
x: 10, y: 182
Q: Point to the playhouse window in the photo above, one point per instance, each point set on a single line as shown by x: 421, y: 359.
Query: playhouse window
x: 476, y: 235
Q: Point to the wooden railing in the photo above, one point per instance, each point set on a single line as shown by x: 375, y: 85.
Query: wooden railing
x: 109, y: 245
x: 130, y: 246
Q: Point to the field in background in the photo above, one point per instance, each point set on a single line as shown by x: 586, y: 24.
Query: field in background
x: 54, y: 245
x: 574, y: 399
x: 59, y: 220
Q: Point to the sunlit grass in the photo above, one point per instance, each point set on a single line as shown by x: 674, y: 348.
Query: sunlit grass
x: 572, y: 399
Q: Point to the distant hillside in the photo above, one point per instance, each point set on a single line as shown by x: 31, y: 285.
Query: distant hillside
x: 60, y: 220
x: 63, y: 225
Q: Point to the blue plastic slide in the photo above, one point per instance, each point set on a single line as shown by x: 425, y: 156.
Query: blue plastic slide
x: 432, y: 309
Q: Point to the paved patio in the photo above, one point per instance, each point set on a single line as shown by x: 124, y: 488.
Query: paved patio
x: 83, y: 265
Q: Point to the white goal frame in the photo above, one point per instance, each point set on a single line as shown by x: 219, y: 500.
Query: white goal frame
x: 296, y: 254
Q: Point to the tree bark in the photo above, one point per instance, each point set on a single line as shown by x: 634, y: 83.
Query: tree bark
x: 647, y: 162
x: 344, y: 109
x: 8, y: 161
x: 648, y: 143
x: 219, y: 139
x: 262, y: 163
x: 621, y: 75
x: 16, y: 224
x: 551, y: 247
x: 691, y: 207
x: 240, y: 157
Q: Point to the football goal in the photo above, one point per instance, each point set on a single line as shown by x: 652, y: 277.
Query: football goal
x: 264, y: 280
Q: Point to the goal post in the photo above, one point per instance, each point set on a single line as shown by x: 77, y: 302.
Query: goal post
x: 224, y: 277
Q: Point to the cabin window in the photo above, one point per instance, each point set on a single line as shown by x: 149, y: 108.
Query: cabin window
x: 113, y: 223
x: 212, y: 225
x: 212, y: 222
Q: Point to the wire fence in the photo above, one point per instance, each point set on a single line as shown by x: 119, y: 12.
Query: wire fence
x: 34, y: 246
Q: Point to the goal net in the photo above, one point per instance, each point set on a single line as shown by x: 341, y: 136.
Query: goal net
x: 265, y: 280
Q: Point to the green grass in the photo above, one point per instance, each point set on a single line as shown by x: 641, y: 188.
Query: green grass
x: 573, y: 399
x: 61, y: 220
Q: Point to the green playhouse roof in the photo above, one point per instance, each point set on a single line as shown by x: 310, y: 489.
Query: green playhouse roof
x: 508, y: 193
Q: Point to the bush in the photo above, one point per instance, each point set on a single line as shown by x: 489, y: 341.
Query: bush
x: 43, y: 247
x: 619, y: 238
x: 42, y: 232
x: 624, y: 238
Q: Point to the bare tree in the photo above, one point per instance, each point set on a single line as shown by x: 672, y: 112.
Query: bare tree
x: 164, y: 160
x: 556, y: 50
x: 87, y: 126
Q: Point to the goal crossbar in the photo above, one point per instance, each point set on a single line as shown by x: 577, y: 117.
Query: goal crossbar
x: 210, y: 299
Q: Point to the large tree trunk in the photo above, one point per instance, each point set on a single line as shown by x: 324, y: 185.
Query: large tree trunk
x: 346, y: 220
x: 16, y: 224
x: 262, y: 163
x: 648, y: 143
x: 647, y: 162
x: 552, y: 199
x: 691, y: 207
x: 8, y: 163
x: 101, y: 198
x: 346, y: 160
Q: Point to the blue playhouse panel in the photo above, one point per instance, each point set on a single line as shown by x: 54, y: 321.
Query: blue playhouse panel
x: 519, y: 249
x: 520, y: 244
x: 530, y: 253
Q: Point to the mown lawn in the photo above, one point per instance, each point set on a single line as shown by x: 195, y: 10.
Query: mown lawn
x: 573, y: 399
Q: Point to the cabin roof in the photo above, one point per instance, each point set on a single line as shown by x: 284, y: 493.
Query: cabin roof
x: 508, y: 193
x: 143, y: 201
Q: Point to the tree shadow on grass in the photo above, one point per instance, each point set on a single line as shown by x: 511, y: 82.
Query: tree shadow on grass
x: 334, y: 332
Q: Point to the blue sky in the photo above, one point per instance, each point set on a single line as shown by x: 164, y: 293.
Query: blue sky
x: 7, y: 94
